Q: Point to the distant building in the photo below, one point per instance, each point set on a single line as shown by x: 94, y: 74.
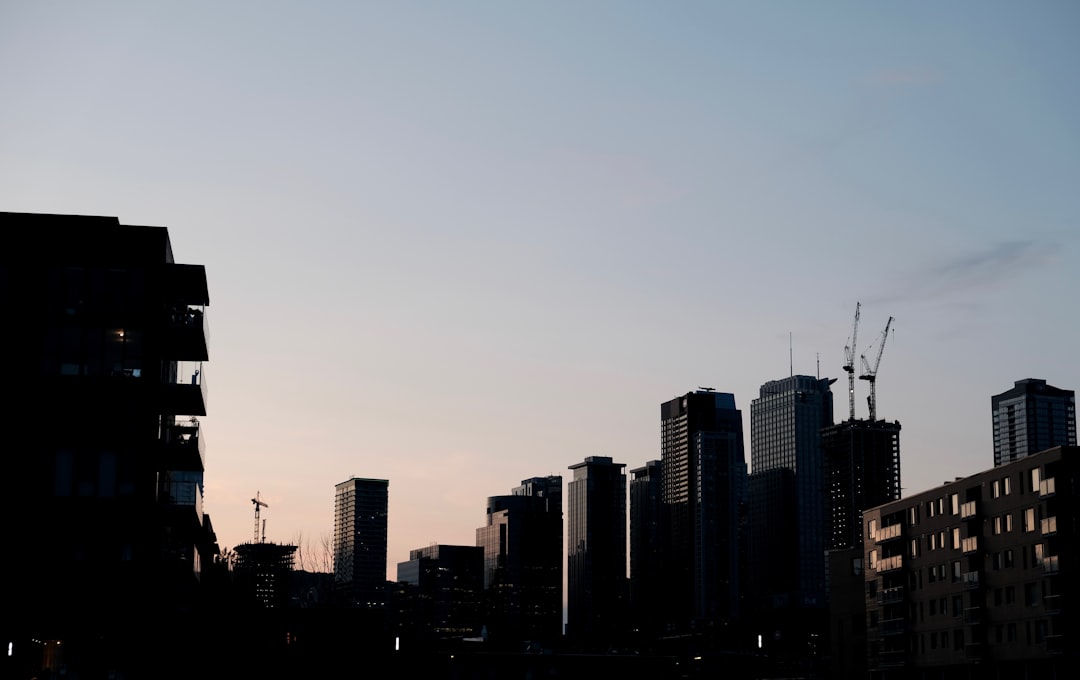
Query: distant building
x: 976, y: 578
x: 360, y: 542
x: 107, y: 349
x: 442, y: 594
x: 647, y: 537
x: 263, y: 573
x: 596, y: 560
x: 787, y: 517
x: 1032, y: 417
x: 523, y: 563
x: 703, y: 484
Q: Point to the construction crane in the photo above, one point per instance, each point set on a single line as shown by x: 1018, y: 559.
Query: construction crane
x: 258, y: 502
x: 849, y: 363
x: 870, y: 374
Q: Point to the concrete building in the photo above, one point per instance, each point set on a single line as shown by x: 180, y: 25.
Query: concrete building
x: 596, y: 551
x: 1032, y: 417
x: 360, y: 527
x: 107, y: 348
x: 977, y: 578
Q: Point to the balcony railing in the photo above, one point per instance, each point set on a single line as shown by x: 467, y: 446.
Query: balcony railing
x: 968, y: 510
x: 185, y: 448
x: 1048, y: 526
x: 888, y: 533
x: 185, y: 389
x: 186, y: 493
x: 893, y: 626
x: 891, y: 595
x: 890, y: 563
x: 188, y: 335
x: 1047, y: 487
x: 973, y: 616
x: 970, y: 580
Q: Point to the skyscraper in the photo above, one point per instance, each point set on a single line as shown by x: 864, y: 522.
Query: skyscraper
x: 1032, y: 417
x: 523, y: 563
x: 107, y: 344
x: 596, y: 560
x: 360, y: 527
x: 787, y: 484
x: 704, y: 476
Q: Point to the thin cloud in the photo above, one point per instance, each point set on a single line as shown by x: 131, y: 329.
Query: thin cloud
x: 980, y: 270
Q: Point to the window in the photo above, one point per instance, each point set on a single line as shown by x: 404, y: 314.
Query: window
x: 954, y: 502
x: 1007, y: 558
x: 997, y: 525
x: 956, y: 537
x: 1031, y: 595
x: 913, y: 515
x: 1006, y: 486
x: 914, y: 547
x: 1010, y: 594
x: 996, y: 489
x: 1029, y: 520
x: 956, y: 571
x: 871, y: 529
x: 1035, y: 479
x: 958, y: 640
x: 1008, y: 521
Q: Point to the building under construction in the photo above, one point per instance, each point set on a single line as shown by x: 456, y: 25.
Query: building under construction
x: 862, y: 470
x: 263, y: 573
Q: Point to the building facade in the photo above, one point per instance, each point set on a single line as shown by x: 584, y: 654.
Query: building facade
x: 703, y: 486
x: 596, y: 550
x: 523, y: 563
x: 647, y: 536
x: 109, y: 353
x: 443, y: 594
x: 862, y: 470
x: 1032, y: 417
x: 976, y: 578
x: 360, y: 534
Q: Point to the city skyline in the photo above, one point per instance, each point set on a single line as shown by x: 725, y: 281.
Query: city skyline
x: 542, y: 222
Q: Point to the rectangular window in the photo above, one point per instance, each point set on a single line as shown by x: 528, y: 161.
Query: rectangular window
x: 871, y: 529
x: 913, y: 515
x: 1035, y: 480
x: 956, y: 538
x: 954, y: 502
x: 1007, y: 558
x: 914, y: 547
x: 997, y: 525
x: 1029, y: 520
x: 1006, y: 486
x: 1008, y: 522
x: 996, y: 489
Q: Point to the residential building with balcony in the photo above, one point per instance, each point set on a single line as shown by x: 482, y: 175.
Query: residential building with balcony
x: 976, y: 578
x: 107, y: 343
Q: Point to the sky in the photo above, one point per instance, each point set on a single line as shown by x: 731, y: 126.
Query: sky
x: 459, y: 244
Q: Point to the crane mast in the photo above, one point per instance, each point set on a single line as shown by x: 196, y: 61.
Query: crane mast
x: 258, y: 502
x: 849, y: 362
x: 870, y: 374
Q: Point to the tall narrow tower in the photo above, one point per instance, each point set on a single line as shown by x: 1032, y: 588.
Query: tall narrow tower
x: 596, y: 550
x: 360, y: 523
x: 704, y: 477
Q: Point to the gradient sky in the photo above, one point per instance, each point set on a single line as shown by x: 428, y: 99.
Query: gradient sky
x: 459, y: 244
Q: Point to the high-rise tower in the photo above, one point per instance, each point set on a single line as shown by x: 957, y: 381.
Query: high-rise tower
x: 1032, y: 417
x: 596, y: 559
x: 360, y: 534
x: 704, y: 477
x: 647, y: 535
x: 787, y: 485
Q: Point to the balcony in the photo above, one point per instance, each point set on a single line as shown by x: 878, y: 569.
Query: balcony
x: 888, y: 533
x: 968, y: 510
x: 891, y: 595
x: 1048, y: 526
x: 184, y: 393
x: 183, y: 492
x: 1050, y: 564
x: 970, y: 580
x: 973, y: 616
x: 187, y: 335
x: 890, y: 563
x: 893, y: 626
x: 969, y: 544
x: 1052, y: 604
x: 1047, y: 488
x: 185, y: 448
x: 974, y: 651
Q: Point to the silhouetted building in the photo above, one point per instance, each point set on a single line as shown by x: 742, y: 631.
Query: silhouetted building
x: 442, y: 594
x: 596, y: 560
x: 977, y: 578
x: 523, y: 563
x: 107, y: 343
x: 1032, y: 417
x: 862, y: 470
x: 263, y: 573
x: 360, y: 524
x: 704, y: 480
x: 647, y: 537
x: 787, y: 518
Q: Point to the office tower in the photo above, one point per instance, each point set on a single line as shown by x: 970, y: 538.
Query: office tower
x: 596, y: 560
x: 647, y: 536
x: 523, y: 563
x: 703, y: 482
x: 360, y: 521
x: 977, y: 574
x: 862, y: 470
x: 443, y: 591
x: 1032, y: 417
x: 107, y: 351
x: 785, y: 423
